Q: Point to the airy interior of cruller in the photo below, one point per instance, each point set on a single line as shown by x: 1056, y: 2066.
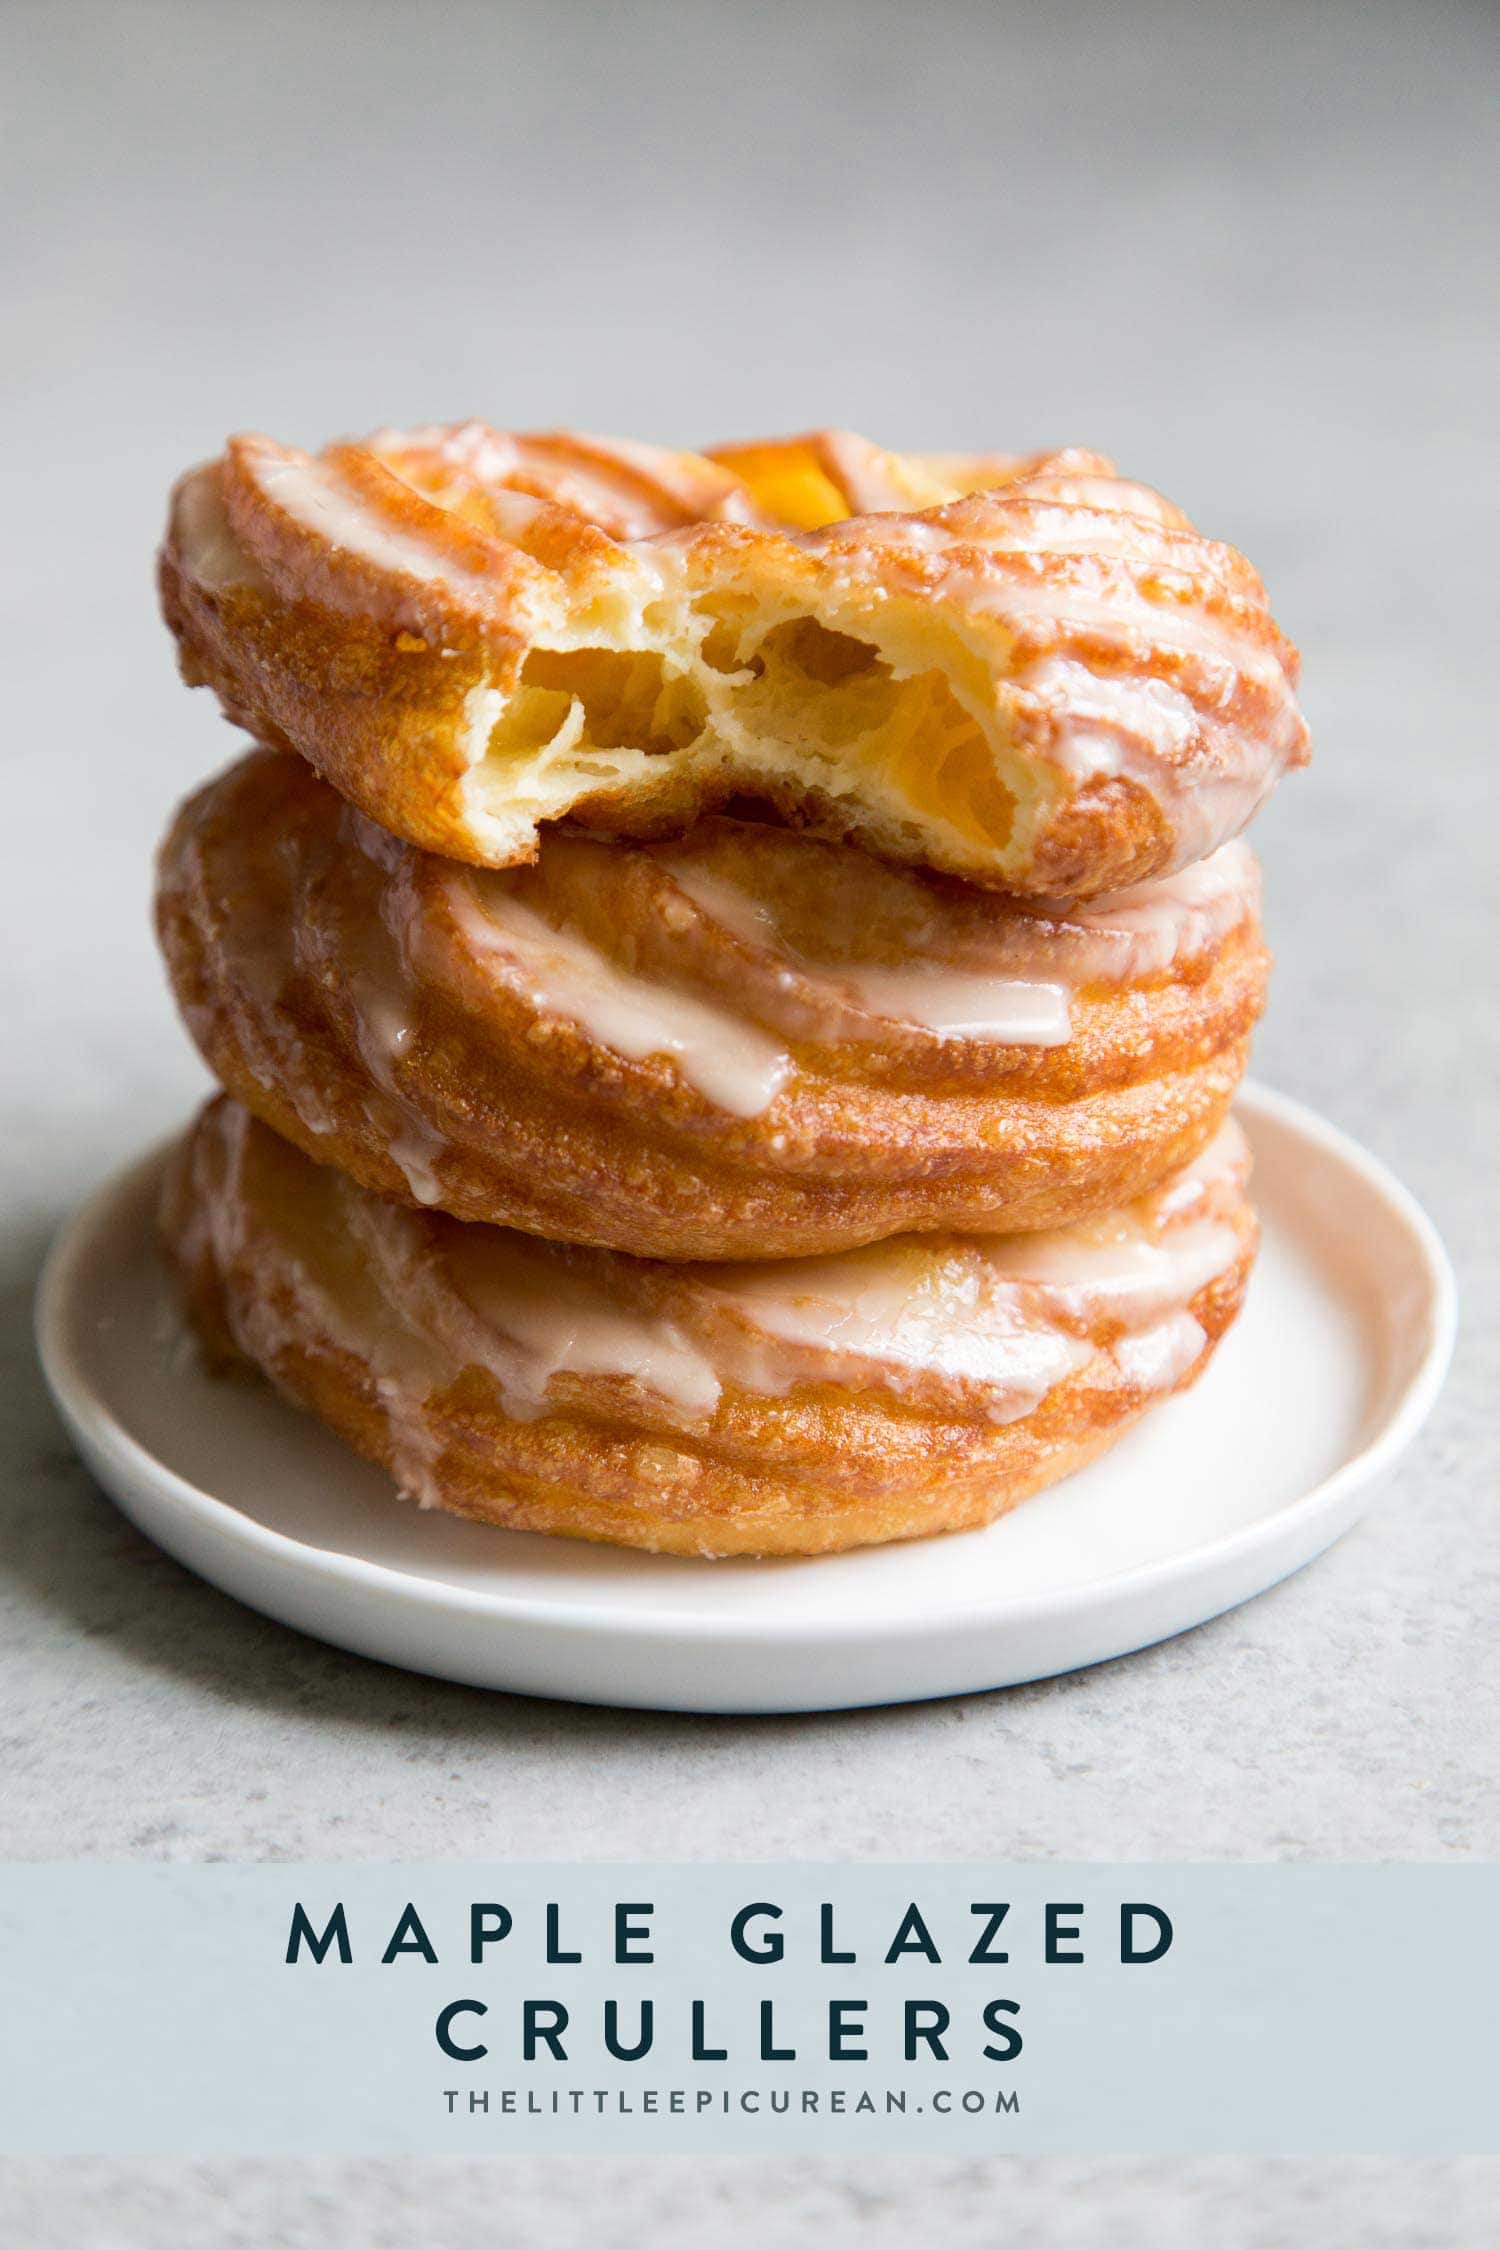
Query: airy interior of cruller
x: 795, y: 701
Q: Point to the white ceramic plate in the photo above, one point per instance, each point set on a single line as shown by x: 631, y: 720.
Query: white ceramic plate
x: 1328, y: 1374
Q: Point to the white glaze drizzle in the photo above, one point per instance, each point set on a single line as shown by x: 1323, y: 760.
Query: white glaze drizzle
x: 898, y: 1311
x: 1118, y: 1263
x: 1155, y: 1358
x: 634, y: 491
x: 1010, y: 1011
x: 356, y: 1303
x: 384, y: 1032
x: 1023, y: 999
x: 318, y: 500
x: 869, y: 477
x: 999, y: 1313
x: 741, y: 1068
x: 738, y: 1067
x: 1023, y: 598
x: 1143, y: 730
x: 1209, y: 777
x: 1144, y: 930
x: 933, y: 995
x: 541, y: 1320
x: 207, y: 550
x: 1000, y: 1318
x: 893, y: 1315
x: 1226, y: 1156
x: 1134, y: 1262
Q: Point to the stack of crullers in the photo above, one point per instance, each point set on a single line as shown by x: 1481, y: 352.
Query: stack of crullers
x: 728, y: 970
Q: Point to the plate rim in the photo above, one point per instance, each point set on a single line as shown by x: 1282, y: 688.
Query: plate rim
x: 92, y: 1423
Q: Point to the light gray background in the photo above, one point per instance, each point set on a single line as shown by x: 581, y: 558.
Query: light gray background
x: 1249, y: 250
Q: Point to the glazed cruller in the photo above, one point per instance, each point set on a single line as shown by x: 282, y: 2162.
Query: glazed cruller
x: 1032, y: 673
x: 745, y: 1043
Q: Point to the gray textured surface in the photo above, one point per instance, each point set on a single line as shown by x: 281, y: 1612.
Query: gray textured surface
x: 1252, y: 253
x: 600, y: 2204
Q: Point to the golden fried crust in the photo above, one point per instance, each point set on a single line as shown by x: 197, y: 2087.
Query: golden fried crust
x: 1031, y: 673
x: 917, y: 1387
x: 403, y: 1018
